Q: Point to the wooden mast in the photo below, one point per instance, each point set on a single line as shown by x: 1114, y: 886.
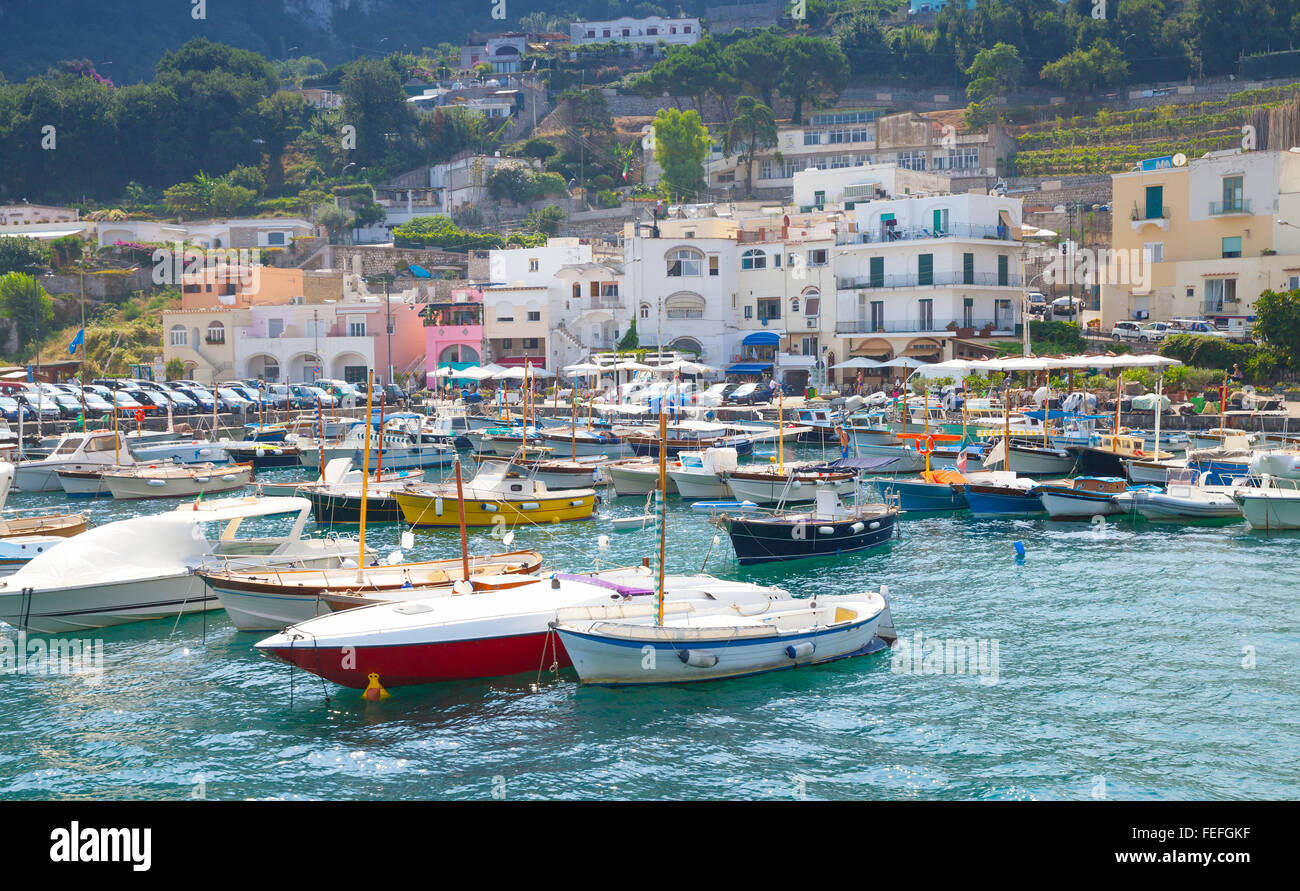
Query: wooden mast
x: 464, y: 535
x: 659, y: 511
x: 365, y: 478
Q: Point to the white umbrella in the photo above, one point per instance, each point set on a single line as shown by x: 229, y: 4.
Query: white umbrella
x: 629, y: 365
x: 941, y: 369
x: 475, y: 373
x: 582, y: 369
x: 904, y: 362
x: 860, y: 362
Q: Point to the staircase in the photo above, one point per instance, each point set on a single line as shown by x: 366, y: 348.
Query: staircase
x: 563, y: 330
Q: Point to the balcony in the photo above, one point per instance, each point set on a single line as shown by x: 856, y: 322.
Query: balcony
x: 934, y: 326
x: 938, y: 280
x: 921, y: 233
x: 1140, y: 218
x: 1240, y: 207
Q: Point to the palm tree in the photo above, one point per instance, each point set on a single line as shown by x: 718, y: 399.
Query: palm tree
x: 752, y: 128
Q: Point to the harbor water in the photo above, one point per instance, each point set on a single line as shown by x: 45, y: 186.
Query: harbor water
x: 1115, y: 659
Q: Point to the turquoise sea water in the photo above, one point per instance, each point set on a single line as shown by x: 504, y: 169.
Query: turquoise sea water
x: 1133, y: 661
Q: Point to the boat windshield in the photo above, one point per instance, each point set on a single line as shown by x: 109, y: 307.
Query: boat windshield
x: 68, y: 446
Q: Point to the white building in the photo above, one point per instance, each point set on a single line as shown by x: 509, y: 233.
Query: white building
x: 504, y: 52
x: 236, y: 233
x: 649, y: 31
x: 27, y: 214
x: 294, y: 343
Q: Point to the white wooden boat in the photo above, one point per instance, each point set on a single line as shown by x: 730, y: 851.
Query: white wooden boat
x: 186, y: 481
x: 702, y: 475
x: 1186, y: 498
x: 1085, y: 497
x: 187, y: 451
x: 143, y: 568
x: 636, y: 476
x: 792, y: 484
x: 624, y: 644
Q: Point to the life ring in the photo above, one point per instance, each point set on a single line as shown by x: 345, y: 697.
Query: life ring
x: 928, y: 442
x: 139, y: 415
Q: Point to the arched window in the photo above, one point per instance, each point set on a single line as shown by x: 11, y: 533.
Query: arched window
x: 684, y: 305
x: 753, y: 259
x: 645, y: 310
x: 178, y: 337
x: 216, y: 333
x: 794, y: 304
x: 684, y: 262
x: 812, y: 302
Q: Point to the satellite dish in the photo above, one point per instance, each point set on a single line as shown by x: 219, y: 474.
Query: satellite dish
x: 1180, y: 160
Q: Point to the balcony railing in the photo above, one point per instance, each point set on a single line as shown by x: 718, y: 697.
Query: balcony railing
x: 938, y: 280
x: 1222, y: 208
x: 916, y: 326
x: 921, y: 233
x: 1140, y: 213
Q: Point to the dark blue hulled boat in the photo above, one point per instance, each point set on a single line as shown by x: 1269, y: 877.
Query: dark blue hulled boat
x: 828, y: 529
x: 262, y: 454
x: 1004, y: 501
x: 924, y: 495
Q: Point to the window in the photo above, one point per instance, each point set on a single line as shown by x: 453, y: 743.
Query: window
x: 849, y: 134
x: 925, y: 269
x: 534, y: 316
x: 808, y: 347
x: 609, y: 289
x: 749, y: 311
x: 274, y: 327
x: 819, y: 199
x: 275, y: 238
x: 532, y: 264
x: 685, y: 262
x: 507, y: 343
x: 818, y: 257
x: 812, y: 137
x: 968, y: 269
x: 1232, y: 246
x: 811, y: 302
x: 178, y: 337
x: 861, y: 116
x: 1293, y: 282
x: 356, y: 327
x: 577, y: 289
x: 794, y: 305
x: 645, y: 310
x: 1155, y: 196
x: 1004, y: 275
x: 684, y: 306
x: 940, y: 220
x: 967, y: 312
x: 216, y: 333
x: 769, y: 308
x: 1232, y: 194
x: 1217, y: 290
x: 1154, y: 251
x: 510, y: 314
x: 652, y: 31
x: 877, y: 272
x: 926, y: 315
x: 530, y: 343
x: 753, y: 259
x: 877, y: 315
x: 911, y: 160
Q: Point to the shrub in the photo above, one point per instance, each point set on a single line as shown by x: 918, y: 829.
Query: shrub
x: 609, y: 198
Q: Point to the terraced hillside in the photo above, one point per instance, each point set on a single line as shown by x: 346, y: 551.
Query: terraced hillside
x: 1113, y: 141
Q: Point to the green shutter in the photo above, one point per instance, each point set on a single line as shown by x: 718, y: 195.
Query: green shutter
x: 925, y: 269
x: 877, y: 272
x: 1155, y: 202
x: 1002, y: 270
x: 968, y: 269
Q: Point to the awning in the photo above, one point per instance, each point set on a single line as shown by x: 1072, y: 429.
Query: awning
x: 797, y: 361
x: 749, y: 368
x: 518, y: 361
x: 762, y: 338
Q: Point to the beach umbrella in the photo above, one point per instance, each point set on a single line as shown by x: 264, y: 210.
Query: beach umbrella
x: 582, y: 369
x: 860, y: 362
x: 629, y: 365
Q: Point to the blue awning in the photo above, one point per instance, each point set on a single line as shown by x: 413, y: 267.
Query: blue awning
x: 419, y: 271
x: 749, y: 368
x: 762, y: 338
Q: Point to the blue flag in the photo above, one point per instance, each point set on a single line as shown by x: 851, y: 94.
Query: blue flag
x: 76, y: 342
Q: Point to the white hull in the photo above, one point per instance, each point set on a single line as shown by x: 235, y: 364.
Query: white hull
x: 43, y: 476
x: 1039, y: 464
x: 562, y: 447
x: 221, y: 479
x: 700, y: 485
x: 636, y: 479
x: 1271, y: 508
x: 1061, y: 506
x: 770, y: 491
x: 182, y: 452
x: 16, y: 551
x: 71, y: 610
x: 687, y: 650
x: 81, y: 487
x: 1153, y: 472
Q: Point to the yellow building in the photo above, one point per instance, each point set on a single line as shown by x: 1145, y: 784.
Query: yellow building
x: 1202, y: 240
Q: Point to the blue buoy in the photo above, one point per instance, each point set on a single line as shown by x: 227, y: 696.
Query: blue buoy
x: 1020, y: 548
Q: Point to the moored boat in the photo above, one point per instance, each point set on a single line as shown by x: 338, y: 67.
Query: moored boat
x: 1086, y: 496
x: 492, y: 498
x: 172, y: 481
x: 829, y: 528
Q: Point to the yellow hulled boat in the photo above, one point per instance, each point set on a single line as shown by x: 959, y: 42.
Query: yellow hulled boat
x: 492, y: 498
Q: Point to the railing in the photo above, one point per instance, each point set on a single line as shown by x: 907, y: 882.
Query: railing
x: 1220, y: 208
x: 939, y: 280
x: 914, y: 326
x: 921, y: 233
x: 1140, y: 213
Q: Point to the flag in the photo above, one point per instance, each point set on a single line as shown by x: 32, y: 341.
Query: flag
x: 76, y: 342
x: 624, y: 171
x: 961, y: 462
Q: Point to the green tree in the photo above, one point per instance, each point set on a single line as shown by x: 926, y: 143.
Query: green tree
x: 18, y: 253
x: 752, y: 129
x: 1277, y: 322
x: 994, y: 72
x: 630, y: 340
x: 373, y: 103
x: 175, y: 369
x: 758, y: 62
x: 546, y: 219
x: 23, y: 300
x: 812, y: 68
x: 681, y: 145
x: 1085, y: 71
x: 66, y: 251
x: 228, y: 200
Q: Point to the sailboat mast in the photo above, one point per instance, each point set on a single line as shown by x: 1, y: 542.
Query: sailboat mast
x: 780, y: 430
x: 320, y: 443
x: 1006, y: 427
x: 365, y: 478
x: 379, y: 469
x: 573, y: 420
x: 464, y: 535
x: 1119, y: 393
x: 659, y: 512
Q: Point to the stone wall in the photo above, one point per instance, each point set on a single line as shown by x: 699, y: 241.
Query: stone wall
x: 321, y: 286
x: 114, y: 285
x: 379, y: 259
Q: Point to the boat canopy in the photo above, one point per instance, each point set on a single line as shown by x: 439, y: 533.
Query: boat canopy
x: 749, y: 367
x: 762, y: 338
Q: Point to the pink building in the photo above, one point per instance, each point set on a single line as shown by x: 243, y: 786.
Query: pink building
x: 453, y: 330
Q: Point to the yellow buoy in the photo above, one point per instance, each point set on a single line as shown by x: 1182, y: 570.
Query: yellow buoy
x: 375, y: 691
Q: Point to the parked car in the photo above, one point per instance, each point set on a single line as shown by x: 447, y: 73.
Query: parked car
x: 1125, y: 330
x: 96, y: 404
x: 42, y: 406
x: 235, y: 400
x: 1153, y: 332
x: 11, y: 408
x: 69, y: 406
x: 1066, y: 306
x: 394, y: 395
x: 1195, y: 326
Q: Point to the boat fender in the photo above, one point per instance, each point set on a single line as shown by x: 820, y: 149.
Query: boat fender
x: 205, y: 452
x: 157, y: 483
x: 555, y: 583
x: 229, y: 477
x: 204, y: 480
x: 825, y: 530
x: 437, y: 507
x: 797, y: 484
x: 603, y: 542
x: 801, y: 650
x: 858, y: 527
x: 577, y: 502
x: 530, y: 505
x: 374, y: 690
x: 698, y: 658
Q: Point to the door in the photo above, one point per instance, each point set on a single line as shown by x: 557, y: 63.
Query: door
x: 1155, y: 202
x: 877, y: 272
